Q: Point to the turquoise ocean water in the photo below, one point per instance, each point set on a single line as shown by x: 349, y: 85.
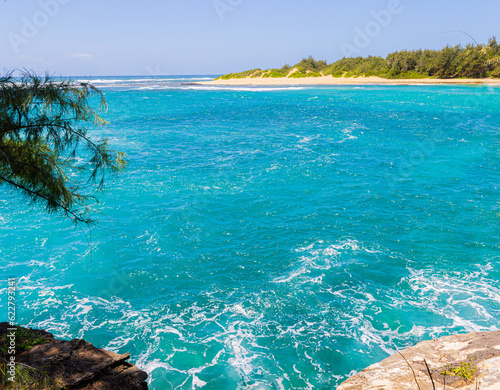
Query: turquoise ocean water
x: 272, y: 238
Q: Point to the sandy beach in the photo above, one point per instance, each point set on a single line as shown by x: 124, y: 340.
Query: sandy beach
x: 329, y: 80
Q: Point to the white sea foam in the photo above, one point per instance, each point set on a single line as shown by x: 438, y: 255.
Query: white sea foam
x: 122, y: 341
x: 179, y: 84
x: 320, y: 257
x: 291, y: 276
x: 153, y: 365
x: 243, y: 89
x: 468, y: 290
x: 169, y: 329
x: 279, y: 381
x: 244, y: 327
x: 242, y: 360
x: 145, y: 80
x: 305, y: 140
x: 239, y: 333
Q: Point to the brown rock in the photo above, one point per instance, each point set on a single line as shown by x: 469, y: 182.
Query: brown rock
x: 77, y: 364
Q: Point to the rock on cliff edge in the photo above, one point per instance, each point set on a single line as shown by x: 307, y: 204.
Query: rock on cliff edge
x: 461, y: 362
x: 77, y: 364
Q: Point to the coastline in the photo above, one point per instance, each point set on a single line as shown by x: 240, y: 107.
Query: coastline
x: 42, y: 361
x: 330, y: 80
x: 460, y: 362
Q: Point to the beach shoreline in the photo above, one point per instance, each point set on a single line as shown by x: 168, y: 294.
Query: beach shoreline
x: 330, y: 80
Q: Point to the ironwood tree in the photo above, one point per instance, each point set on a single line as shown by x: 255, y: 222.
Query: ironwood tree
x: 48, y: 151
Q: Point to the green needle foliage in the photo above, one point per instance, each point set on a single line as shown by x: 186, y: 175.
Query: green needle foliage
x: 471, y: 61
x: 43, y: 135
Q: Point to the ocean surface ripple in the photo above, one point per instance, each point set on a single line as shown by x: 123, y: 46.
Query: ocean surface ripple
x: 272, y: 238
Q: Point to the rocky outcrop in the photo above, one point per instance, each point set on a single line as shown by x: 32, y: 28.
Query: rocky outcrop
x: 466, y: 362
x: 77, y: 364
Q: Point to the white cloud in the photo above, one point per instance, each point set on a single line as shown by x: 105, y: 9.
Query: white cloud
x: 82, y: 55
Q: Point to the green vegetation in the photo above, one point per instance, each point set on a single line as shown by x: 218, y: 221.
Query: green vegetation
x: 297, y: 75
x: 471, y: 61
x: 276, y: 73
x: 24, y: 339
x: 25, y: 377
x: 466, y: 370
x: 43, y: 134
x: 241, y: 75
x: 259, y: 73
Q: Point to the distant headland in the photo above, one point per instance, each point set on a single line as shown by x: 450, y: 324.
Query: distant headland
x: 472, y: 64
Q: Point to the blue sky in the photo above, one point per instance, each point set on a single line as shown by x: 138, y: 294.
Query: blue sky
x: 111, y: 37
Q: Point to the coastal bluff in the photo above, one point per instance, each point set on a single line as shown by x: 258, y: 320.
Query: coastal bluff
x: 77, y: 364
x: 461, y: 362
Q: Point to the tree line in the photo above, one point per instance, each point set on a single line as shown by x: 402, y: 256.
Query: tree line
x: 471, y: 61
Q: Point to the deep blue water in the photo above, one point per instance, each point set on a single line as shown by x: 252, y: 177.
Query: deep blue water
x: 272, y: 238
